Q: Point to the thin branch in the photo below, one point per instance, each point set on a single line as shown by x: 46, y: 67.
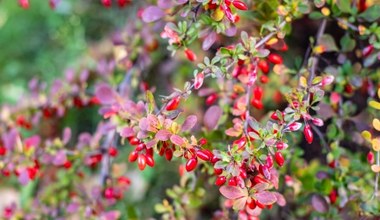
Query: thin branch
x: 321, y: 137
x: 315, y: 58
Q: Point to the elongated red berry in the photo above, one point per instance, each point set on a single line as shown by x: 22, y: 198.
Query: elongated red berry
x: 279, y: 158
x: 112, y: 151
x: 370, y: 157
x: 264, y: 79
x: 263, y: 66
x: 149, y: 160
x: 251, y: 204
x: 218, y: 171
x: 308, y: 134
x: 240, y: 5
x: 258, y: 92
x: 107, y: 3
x: 269, y: 161
x: 173, y: 104
x: 169, y: 154
x: 281, y: 145
x: 133, y: 156
x: 3, y: 150
x: 24, y: 4
x: 134, y: 141
x: 275, y: 58
x: 211, y: 99
x: 109, y: 193
x: 333, y: 196
x: 190, y: 55
x: 220, y: 180
x: 191, y: 164
x: 123, y: 3
x: 141, y: 161
x: 203, y: 155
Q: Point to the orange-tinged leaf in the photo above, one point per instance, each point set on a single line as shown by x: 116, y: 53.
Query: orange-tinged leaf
x: 376, y: 124
x: 376, y: 144
x: 375, y: 168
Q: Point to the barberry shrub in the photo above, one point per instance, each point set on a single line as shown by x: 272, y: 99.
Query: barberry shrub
x: 257, y: 109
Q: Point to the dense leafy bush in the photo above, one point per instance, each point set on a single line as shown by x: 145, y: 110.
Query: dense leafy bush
x: 231, y: 109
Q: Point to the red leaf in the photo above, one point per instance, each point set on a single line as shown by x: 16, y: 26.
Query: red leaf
x: 233, y: 192
x: 319, y: 203
x: 163, y: 135
x: 212, y: 117
x: 189, y: 123
x: 177, y: 140
x: 266, y: 197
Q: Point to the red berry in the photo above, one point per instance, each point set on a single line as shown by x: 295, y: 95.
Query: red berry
x: 112, y: 151
x: 240, y: 5
x: 203, y: 155
x: 173, y: 104
x: 123, y: 3
x: 252, y: 204
x: 279, y: 158
x: 3, y: 151
x: 141, y: 161
x: 258, y: 92
x: 264, y: 79
x: 257, y: 104
x: 232, y: 181
x: 169, y: 154
x: 24, y: 4
x: 107, y: 3
x: 140, y: 147
x: 133, y: 156
x: 263, y: 66
x: 269, y: 161
x: 134, y: 141
x: 150, y: 160
x: 191, y: 164
x: 190, y: 55
x: 308, y: 134
x: 109, y: 193
x: 220, y: 180
x: 67, y: 165
x: 370, y: 157
x: 241, y: 142
x: 203, y: 141
x: 218, y: 171
x: 260, y: 205
x: 123, y: 180
x: 281, y: 145
x: 211, y: 99
x: 333, y: 196
x: 275, y: 58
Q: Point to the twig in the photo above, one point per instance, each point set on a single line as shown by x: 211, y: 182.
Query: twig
x: 314, y: 58
x: 320, y: 135
x: 106, y: 162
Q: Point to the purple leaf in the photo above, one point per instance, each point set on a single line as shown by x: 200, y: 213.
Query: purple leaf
x: 177, y: 140
x: 84, y: 76
x: 23, y: 177
x: 266, y: 197
x: 105, y: 94
x: 280, y: 199
x: 231, y: 31
x: 9, y: 139
x: 165, y: 4
x: 319, y: 203
x: 233, y: 192
x: 151, y: 143
x: 181, y: 2
x: 189, y: 123
x: 60, y: 158
x: 152, y: 13
x: 212, y: 117
x: 163, y: 135
x: 209, y: 41
x: 110, y: 215
x: 32, y: 141
x: 72, y: 207
x: 144, y: 124
x: 127, y: 132
x: 66, y: 135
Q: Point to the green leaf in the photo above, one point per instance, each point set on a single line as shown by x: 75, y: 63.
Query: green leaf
x: 347, y: 44
x: 344, y: 5
x: 328, y: 43
x: 371, y: 14
x: 316, y: 15
x: 150, y: 101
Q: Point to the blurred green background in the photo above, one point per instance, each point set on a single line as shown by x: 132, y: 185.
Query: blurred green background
x: 43, y: 42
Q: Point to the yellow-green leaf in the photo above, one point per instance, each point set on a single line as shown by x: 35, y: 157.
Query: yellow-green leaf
x: 366, y: 135
x: 303, y: 81
x: 150, y: 101
x: 375, y: 144
x: 374, y: 104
